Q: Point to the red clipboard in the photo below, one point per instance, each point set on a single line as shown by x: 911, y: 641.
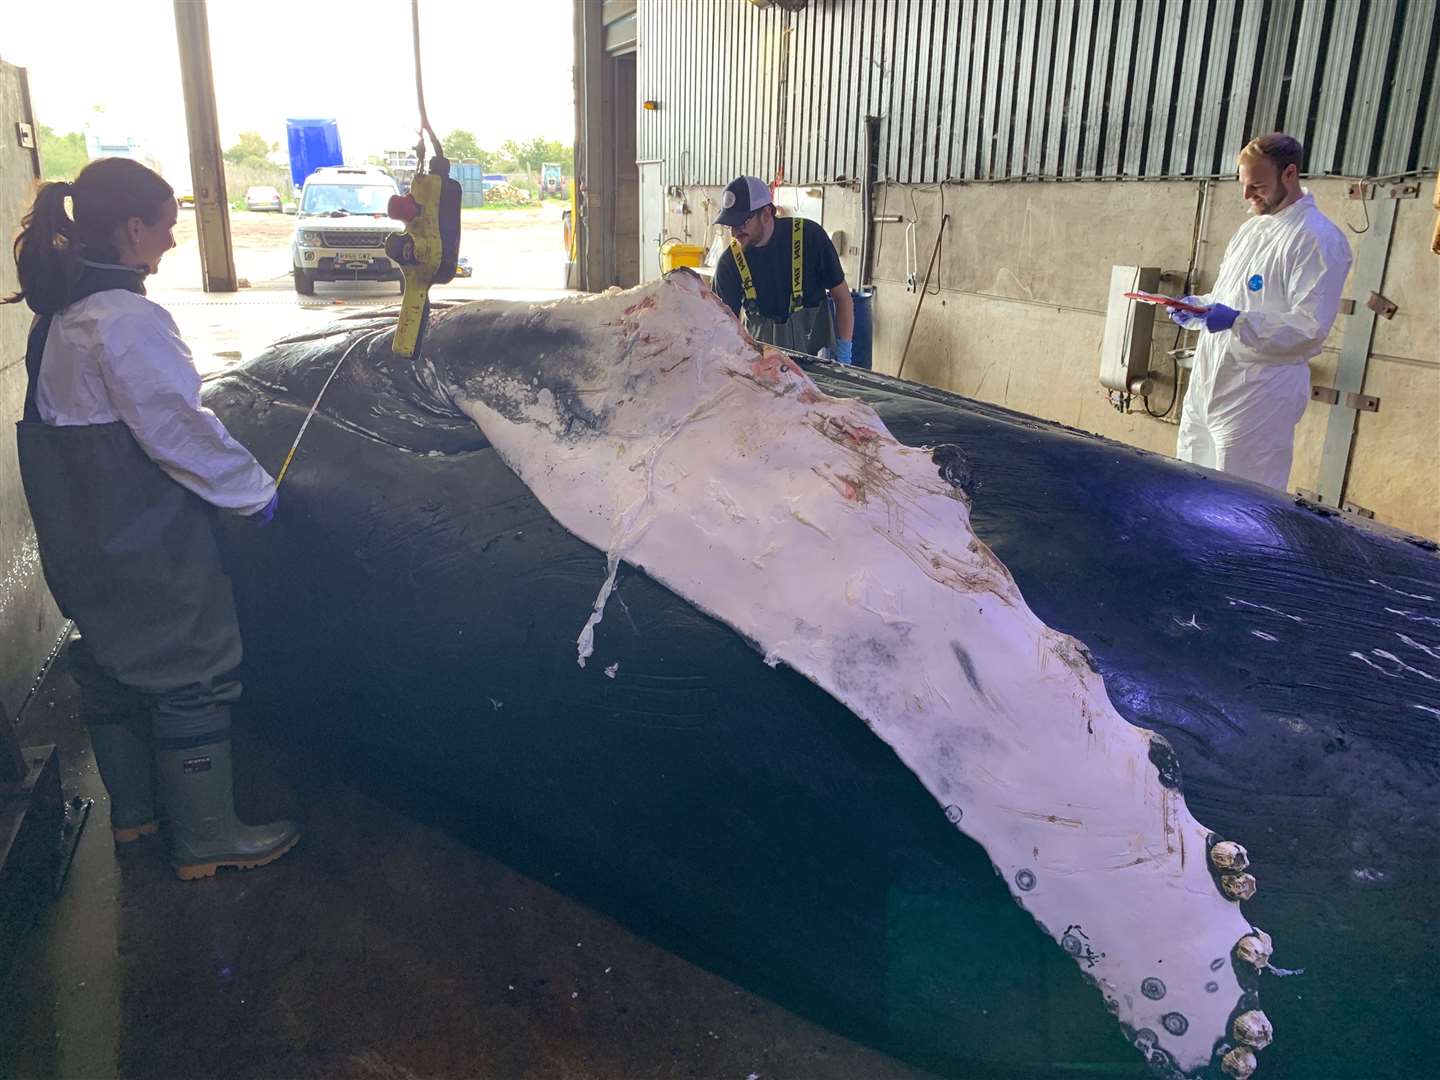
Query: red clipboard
x: 1165, y: 301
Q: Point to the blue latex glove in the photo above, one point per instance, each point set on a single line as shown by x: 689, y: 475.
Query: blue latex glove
x: 844, y: 351
x: 1187, y: 319
x: 1220, y: 317
x: 266, y: 514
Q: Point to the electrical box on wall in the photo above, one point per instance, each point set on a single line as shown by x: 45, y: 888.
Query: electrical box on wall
x: 1125, y: 350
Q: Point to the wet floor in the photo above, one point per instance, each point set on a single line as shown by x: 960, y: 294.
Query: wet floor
x: 382, y: 947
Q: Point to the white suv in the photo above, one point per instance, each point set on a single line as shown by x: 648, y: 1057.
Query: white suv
x: 341, y: 226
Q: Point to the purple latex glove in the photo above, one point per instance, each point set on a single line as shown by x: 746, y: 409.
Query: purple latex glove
x: 1220, y: 317
x: 266, y: 514
x: 1187, y: 319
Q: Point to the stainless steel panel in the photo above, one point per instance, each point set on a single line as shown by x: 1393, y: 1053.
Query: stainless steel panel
x: 1125, y: 345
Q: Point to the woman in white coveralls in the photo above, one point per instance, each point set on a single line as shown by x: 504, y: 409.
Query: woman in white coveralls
x: 123, y: 470
x: 1274, y: 301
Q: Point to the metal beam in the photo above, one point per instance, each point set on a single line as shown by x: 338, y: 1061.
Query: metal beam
x: 595, y: 154
x: 1369, y: 277
x: 207, y: 169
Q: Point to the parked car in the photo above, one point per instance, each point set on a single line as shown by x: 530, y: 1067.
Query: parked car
x: 262, y: 197
x: 341, y: 228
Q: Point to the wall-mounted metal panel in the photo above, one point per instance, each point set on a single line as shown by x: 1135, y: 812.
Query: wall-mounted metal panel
x: 1278, y: 22
x: 1417, y: 42
x: 1333, y: 77
x: 1369, y: 87
x: 1249, y: 31
x: 1047, y: 14
x: 1143, y: 91
x: 1040, y: 89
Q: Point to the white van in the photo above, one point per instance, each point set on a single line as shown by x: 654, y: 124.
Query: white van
x: 341, y: 225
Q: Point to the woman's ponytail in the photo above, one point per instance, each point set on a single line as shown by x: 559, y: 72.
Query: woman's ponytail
x: 45, y: 256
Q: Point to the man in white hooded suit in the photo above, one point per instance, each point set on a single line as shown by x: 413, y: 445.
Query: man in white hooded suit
x: 1274, y: 301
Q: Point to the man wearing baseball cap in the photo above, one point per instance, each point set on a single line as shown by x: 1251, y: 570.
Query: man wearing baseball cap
x: 779, y: 271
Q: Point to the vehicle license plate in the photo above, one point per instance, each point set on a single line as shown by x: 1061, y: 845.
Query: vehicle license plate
x: 353, y: 260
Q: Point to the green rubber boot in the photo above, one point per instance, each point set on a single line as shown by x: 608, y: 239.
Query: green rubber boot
x: 198, y: 794
x: 126, y: 764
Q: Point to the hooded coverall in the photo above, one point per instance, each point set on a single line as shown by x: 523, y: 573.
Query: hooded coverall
x: 1249, y: 386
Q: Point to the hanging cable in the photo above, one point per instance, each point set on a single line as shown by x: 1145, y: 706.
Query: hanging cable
x: 419, y: 85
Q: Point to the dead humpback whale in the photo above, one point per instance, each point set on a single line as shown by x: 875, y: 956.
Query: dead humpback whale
x: 788, y: 542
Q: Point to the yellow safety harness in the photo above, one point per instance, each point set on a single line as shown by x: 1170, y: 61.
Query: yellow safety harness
x: 797, y: 271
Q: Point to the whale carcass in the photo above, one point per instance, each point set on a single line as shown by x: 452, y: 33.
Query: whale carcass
x: 967, y: 733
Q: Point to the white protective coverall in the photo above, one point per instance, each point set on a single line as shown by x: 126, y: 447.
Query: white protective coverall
x: 117, y: 356
x: 1284, y: 274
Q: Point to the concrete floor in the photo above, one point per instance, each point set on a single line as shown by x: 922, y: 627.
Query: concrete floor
x: 381, y: 947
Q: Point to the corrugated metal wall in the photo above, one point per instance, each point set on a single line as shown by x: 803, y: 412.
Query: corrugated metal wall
x: 1015, y: 89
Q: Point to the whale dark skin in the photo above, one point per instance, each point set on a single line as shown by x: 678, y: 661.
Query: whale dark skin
x: 415, y: 599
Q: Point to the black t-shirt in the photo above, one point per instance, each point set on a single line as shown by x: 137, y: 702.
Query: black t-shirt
x: 770, y: 267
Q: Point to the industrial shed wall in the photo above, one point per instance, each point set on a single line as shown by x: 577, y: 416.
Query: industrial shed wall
x: 1035, y: 89
x: 1147, y: 98
x: 29, y: 621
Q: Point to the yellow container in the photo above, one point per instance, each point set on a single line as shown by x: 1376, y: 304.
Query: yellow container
x: 673, y: 253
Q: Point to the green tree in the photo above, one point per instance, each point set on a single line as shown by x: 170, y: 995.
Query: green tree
x: 250, y: 149
x: 460, y: 145
x: 62, y: 156
x: 513, y: 157
x: 562, y: 153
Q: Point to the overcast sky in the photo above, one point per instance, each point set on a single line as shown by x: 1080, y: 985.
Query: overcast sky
x: 498, y: 68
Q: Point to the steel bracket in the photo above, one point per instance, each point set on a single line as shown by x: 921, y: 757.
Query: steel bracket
x: 24, y: 135
x: 1358, y: 510
x: 1328, y: 395
x: 1368, y: 189
x: 1382, y: 305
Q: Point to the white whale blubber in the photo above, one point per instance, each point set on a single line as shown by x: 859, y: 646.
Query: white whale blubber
x: 720, y: 470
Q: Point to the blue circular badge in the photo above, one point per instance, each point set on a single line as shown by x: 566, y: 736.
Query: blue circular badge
x: 1256, y: 282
